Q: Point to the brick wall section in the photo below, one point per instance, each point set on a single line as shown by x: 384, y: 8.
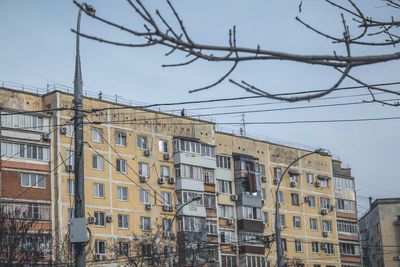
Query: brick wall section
x: 11, y: 187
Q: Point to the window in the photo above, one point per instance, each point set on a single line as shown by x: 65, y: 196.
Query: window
x: 255, y: 261
x: 97, y: 135
x: 144, y: 196
x: 97, y: 162
x: 265, y: 217
x: 295, y: 199
x: 121, y: 165
x: 120, y: 138
x: 223, y: 162
x: 313, y: 224
x: 188, y: 196
x: 277, y: 173
x: 344, y: 183
x: 282, y: 220
x: 163, y: 146
x: 311, y: 201
x: 346, y: 205
x: 207, y: 151
x: 323, y: 180
x: 228, y: 261
x: 27, y: 151
x: 314, y: 247
x: 27, y: 210
x: 209, y: 201
x: 165, y: 171
x: 142, y: 142
x: 264, y: 193
x: 224, y: 187
x: 261, y: 170
x: 225, y: 211
x: 146, y: 250
x: 98, y: 190
x: 167, y: 223
x: 100, y: 247
x: 310, y: 178
x: 324, y: 203
x: 294, y: 177
x: 326, y: 226
x: 227, y: 236
x: 280, y: 197
x: 284, y: 244
x: 122, y: 193
x: 124, y: 249
x: 166, y: 198
x: 33, y: 180
x: 347, y: 227
x: 298, y: 245
x: 212, y: 254
x: 21, y: 121
x: 189, y: 172
x: 208, y: 176
x: 70, y: 158
x: 349, y: 249
x: 251, y: 213
x: 123, y: 221
x: 193, y: 224
x: 145, y: 224
x: 296, y: 222
x: 329, y: 249
x: 211, y: 227
x: 71, y: 187
x: 99, y: 218
x: 143, y: 169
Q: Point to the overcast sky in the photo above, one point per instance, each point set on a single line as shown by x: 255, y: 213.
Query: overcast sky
x: 37, y: 48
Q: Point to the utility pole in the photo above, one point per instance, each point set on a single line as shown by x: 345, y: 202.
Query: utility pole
x: 78, y: 231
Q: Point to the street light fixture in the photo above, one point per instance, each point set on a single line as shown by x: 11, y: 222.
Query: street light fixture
x: 170, y: 259
x: 278, y: 239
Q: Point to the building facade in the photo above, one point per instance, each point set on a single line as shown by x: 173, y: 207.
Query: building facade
x: 144, y: 168
x: 380, y: 233
x: 346, y: 212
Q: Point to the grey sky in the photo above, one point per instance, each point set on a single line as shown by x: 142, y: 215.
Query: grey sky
x: 37, y: 48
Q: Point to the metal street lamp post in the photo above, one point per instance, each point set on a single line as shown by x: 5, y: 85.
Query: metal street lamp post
x: 170, y: 258
x: 79, y: 225
x: 278, y: 239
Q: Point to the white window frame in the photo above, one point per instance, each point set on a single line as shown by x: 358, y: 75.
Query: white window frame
x: 163, y: 146
x: 142, y: 142
x: 123, y: 221
x: 144, y: 226
x: 298, y: 245
x: 120, y: 138
x: 100, y: 219
x: 71, y: 187
x: 297, y: 222
x: 144, y: 196
x: 121, y: 166
x: 122, y: 193
x: 97, y: 135
x: 97, y: 247
x: 97, y: 162
x: 34, y: 180
x: 224, y: 187
x: 313, y: 222
x: 144, y: 169
x: 99, y: 190
x: 310, y: 178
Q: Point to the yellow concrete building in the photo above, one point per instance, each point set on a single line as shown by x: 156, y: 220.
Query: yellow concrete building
x: 142, y: 167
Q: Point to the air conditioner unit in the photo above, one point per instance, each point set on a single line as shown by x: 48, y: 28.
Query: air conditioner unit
x: 293, y: 184
x: 161, y: 180
x: 332, y: 207
x: 148, y: 206
x: 143, y: 178
x: 45, y: 137
x: 165, y: 156
x: 69, y: 168
x: 109, y: 218
x: 317, y: 184
x: 307, y: 199
x: 171, y: 180
x: 397, y: 258
x: 276, y: 181
x: 234, y: 197
x: 147, y: 152
x: 231, y: 221
x: 63, y: 130
x: 281, y: 227
x: 265, y: 225
x: 166, y: 207
x: 324, y: 211
x: 280, y: 204
x: 91, y: 220
x: 262, y: 202
x: 325, y: 233
x: 264, y: 179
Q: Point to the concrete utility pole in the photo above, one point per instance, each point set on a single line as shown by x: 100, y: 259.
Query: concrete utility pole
x: 78, y: 224
x: 278, y: 239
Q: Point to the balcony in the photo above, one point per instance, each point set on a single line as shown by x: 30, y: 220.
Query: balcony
x: 250, y: 200
x: 189, y: 184
x: 224, y: 174
x: 194, y: 159
x: 191, y: 210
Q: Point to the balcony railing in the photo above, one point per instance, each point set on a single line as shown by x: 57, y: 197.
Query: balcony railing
x: 32, y: 211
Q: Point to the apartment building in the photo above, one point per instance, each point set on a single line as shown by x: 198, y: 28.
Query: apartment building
x: 346, y: 212
x: 207, y: 195
x: 25, y: 181
x: 380, y: 233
